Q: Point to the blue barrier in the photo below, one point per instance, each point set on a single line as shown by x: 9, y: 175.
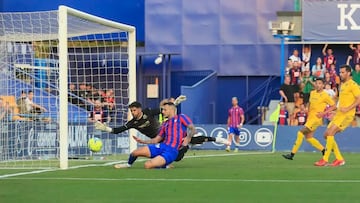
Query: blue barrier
x: 25, y: 140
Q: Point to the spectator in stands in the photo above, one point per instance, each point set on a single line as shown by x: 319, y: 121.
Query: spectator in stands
x: 73, y: 97
x: 283, y: 115
x: 330, y: 81
x: 356, y: 74
x: 318, y: 70
x: 82, y: 91
x: 327, y: 117
x: 307, y: 85
x: 357, y: 116
x: 289, y: 66
x: 295, y: 57
x: 333, y: 75
x: 34, y: 110
x: 295, y: 73
x: 306, y: 56
x: 301, y: 115
x: 99, y: 113
x: 20, y: 102
x: 329, y: 57
x: 356, y: 54
x: 287, y: 92
x: 109, y: 99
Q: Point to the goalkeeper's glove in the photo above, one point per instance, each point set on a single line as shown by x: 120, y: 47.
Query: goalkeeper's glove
x: 102, y: 127
x: 179, y: 99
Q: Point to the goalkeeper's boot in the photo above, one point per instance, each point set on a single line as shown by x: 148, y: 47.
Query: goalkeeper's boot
x: 221, y: 140
x: 119, y: 166
x: 322, y: 162
x: 288, y: 156
x: 227, y: 149
x: 236, y: 150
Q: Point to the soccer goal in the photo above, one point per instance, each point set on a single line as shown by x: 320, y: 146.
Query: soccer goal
x: 60, y: 71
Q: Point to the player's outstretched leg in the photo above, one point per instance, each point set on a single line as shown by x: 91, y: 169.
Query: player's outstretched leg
x: 143, y: 151
x: 297, y: 144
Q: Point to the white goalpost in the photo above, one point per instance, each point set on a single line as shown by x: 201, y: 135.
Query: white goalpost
x: 60, y: 71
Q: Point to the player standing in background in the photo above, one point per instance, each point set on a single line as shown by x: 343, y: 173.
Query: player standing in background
x: 235, y: 122
x: 349, y: 99
x: 163, y: 149
x: 317, y: 103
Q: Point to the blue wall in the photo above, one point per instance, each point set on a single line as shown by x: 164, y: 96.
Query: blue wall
x: 228, y: 36
x: 125, y: 11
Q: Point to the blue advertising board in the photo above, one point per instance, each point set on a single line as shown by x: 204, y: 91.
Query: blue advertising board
x: 325, y: 20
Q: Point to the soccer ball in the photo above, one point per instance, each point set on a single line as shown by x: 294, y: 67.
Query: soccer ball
x: 95, y: 144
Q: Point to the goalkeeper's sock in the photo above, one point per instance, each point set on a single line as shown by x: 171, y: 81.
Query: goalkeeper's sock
x: 315, y: 143
x: 329, y: 146
x: 337, y: 152
x: 298, y: 142
x: 132, y: 159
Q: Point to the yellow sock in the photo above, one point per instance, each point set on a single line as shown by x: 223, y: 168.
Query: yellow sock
x: 329, y: 146
x: 337, y: 151
x: 315, y: 143
x: 298, y: 142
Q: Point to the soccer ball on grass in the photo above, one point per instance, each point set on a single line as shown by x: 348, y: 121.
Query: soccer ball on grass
x: 95, y: 144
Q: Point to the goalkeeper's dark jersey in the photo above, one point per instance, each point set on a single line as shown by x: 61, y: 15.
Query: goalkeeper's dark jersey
x: 148, y: 124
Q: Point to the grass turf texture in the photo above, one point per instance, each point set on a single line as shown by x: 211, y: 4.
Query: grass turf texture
x: 238, y: 178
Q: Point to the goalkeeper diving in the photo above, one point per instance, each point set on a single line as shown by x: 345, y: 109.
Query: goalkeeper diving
x: 146, y: 122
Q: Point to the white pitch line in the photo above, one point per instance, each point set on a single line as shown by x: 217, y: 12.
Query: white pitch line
x: 122, y: 161
x: 192, y: 180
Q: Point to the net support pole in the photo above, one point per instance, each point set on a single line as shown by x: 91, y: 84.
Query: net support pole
x: 132, y: 81
x: 63, y: 84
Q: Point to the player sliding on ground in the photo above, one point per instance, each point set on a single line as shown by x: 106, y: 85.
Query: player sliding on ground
x: 144, y: 120
x: 318, y: 101
x: 349, y: 99
x: 163, y: 149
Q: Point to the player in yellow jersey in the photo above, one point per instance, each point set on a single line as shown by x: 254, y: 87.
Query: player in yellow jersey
x: 349, y: 98
x: 318, y: 101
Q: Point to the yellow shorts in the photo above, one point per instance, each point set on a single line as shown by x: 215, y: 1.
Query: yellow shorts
x: 341, y: 121
x: 313, y: 123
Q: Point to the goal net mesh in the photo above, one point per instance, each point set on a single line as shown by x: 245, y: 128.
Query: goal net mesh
x: 98, y: 87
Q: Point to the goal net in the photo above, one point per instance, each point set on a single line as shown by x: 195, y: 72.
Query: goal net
x: 60, y: 71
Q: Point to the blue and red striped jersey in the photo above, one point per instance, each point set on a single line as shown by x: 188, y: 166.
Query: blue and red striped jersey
x: 174, y: 130
x: 235, y: 114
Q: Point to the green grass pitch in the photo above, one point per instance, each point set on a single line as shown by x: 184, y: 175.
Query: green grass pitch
x: 240, y: 177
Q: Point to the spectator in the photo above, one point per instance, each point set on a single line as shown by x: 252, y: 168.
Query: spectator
x: 99, y: 113
x: 109, y: 99
x: 318, y: 70
x: 307, y: 85
x: 283, y: 115
x: 329, y: 57
x: 301, y: 115
x: 289, y: 66
x: 356, y: 74
x: 295, y: 57
x: 287, y: 93
x: 32, y: 107
x: 330, y: 81
x: 329, y: 91
x: 82, y: 91
x: 34, y: 110
x: 20, y: 102
x: 73, y: 97
x: 356, y: 54
x: 306, y: 56
x: 333, y: 74
x: 357, y: 116
x: 295, y: 74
